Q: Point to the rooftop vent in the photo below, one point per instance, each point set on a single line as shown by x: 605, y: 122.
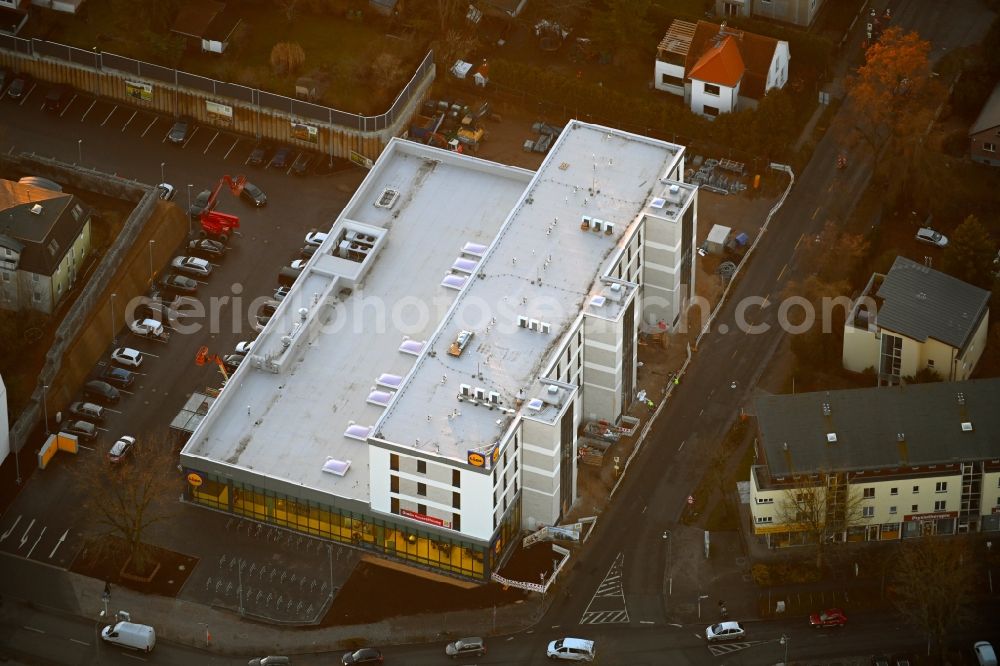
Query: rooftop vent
x: 387, y: 199
x: 522, y: 321
x: 900, y: 437
x: 338, y: 467
x: 456, y: 282
x: 966, y: 426
x: 657, y: 202
x: 36, y: 209
x: 474, y: 249
x: 462, y: 265
x: 379, y: 398
x: 826, y: 409
x: 388, y: 380
x: 535, y: 405
x: 412, y: 347
x: 961, y: 398
x: 831, y: 438
x: 598, y: 301
x: 358, y: 432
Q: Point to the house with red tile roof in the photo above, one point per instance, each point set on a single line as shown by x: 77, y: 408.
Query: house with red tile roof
x: 718, y: 69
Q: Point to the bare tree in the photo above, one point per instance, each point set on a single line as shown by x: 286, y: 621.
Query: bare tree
x: 287, y: 58
x: 385, y: 70
x: 933, y: 584
x: 822, y: 506
x: 289, y: 7
x: 128, y: 498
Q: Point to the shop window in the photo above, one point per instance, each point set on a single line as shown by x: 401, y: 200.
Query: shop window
x: 394, y: 461
x: 394, y: 484
x: 456, y: 478
x: 422, y: 490
x: 421, y: 467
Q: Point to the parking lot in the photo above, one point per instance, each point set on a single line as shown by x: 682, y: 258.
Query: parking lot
x: 43, y: 523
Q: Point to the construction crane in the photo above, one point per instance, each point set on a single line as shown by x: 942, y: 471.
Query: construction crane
x: 204, y: 357
x: 216, y: 224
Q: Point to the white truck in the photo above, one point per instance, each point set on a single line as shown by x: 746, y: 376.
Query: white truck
x: 130, y: 635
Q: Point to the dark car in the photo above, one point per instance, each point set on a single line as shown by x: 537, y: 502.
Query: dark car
x: 200, y: 204
x: 253, y: 194
x: 57, y: 98
x: 207, y: 248
x: 300, y: 166
x: 232, y: 361
x: 280, y: 159
x: 19, y: 86
x: 101, y: 392
x: 178, y: 284
x: 181, y: 130
x: 82, y: 429
x: 362, y: 656
x: 121, y: 449
x: 260, y: 154
x: 120, y: 377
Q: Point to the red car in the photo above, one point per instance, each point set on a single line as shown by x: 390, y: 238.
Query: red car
x: 831, y: 617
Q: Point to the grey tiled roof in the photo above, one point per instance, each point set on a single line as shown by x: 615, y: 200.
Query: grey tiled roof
x: 920, y: 303
x: 989, y: 116
x: 867, y: 423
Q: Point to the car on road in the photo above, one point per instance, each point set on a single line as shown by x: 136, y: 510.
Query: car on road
x: 725, y: 631
x: 120, y: 377
x: 166, y: 191
x: 121, y: 449
x: 280, y: 159
x: 571, y: 649
x: 316, y: 238
x: 270, y: 661
x: 181, y: 131
x: 128, y: 357
x: 831, y: 617
x: 57, y: 98
x: 253, y: 195
x: 199, y: 204
x: 300, y: 166
x: 465, y: 647
x: 362, y: 656
x: 928, y: 235
x: 206, y: 248
x: 985, y: 654
x: 192, y: 265
x: 308, y: 250
x: 101, y: 391
x: 82, y: 429
x: 87, y: 411
x: 19, y: 86
x: 174, y: 283
x: 147, y: 328
x: 260, y: 154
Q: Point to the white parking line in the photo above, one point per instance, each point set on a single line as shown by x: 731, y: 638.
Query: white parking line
x: 190, y: 137
x: 74, y: 640
x: 132, y: 656
x: 149, y: 126
x: 113, y: 411
x: 134, y: 114
x: 164, y: 139
x: 88, y: 110
x: 226, y: 156
x: 72, y: 99
x: 109, y: 115
x: 205, y: 152
x: 31, y: 90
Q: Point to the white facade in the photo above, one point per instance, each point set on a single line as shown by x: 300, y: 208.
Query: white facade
x: 4, y: 423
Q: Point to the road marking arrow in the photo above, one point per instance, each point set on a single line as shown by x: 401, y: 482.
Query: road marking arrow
x: 7, y: 533
x: 58, y: 543
x: 36, y: 542
x: 24, y: 539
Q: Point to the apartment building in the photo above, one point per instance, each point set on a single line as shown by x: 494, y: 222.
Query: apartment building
x: 883, y: 463
x: 419, y: 392
x: 798, y: 12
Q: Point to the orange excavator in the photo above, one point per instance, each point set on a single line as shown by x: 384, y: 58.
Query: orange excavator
x: 220, y: 225
x: 204, y: 357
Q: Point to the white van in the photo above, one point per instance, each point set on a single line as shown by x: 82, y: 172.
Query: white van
x: 127, y: 634
x: 571, y: 649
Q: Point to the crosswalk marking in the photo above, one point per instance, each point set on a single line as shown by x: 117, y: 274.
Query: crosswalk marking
x: 607, y: 606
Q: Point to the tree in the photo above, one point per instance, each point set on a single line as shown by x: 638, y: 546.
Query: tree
x: 622, y: 29
x: 970, y: 253
x: 385, y: 70
x: 933, y: 584
x: 808, y: 509
x: 126, y: 499
x: 287, y: 58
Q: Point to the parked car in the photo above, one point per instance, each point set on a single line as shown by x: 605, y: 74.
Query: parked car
x: 101, y: 392
x: 148, y: 328
x: 281, y: 292
x: 985, y: 654
x: 181, y: 130
x: 128, y: 357
x: 199, y: 204
x: 172, y: 282
x: 244, y: 347
x: 260, y: 154
x: 725, y: 631
x: 206, y: 248
x: 120, y: 377
x: 300, y: 166
x: 298, y: 264
x: 57, y: 98
x: 166, y: 191
x: 928, y: 235
x: 253, y: 194
x: 87, y: 411
x: 831, y: 617
x: 316, y: 237
x: 280, y: 159
x: 121, y: 449
x: 571, y: 649
x: 19, y: 86
x: 362, y: 656
x: 192, y: 265
x: 464, y: 647
x: 82, y: 429
x: 308, y: 250
x: 232, y: 361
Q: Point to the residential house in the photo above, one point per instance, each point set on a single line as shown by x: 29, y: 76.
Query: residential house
x: 719, y: 69
x: 798, y: 12
x: 916, y: 318
x: 883, y: 463
x: 45, y: 237
x: 984, y: 135
x: 206, y: 25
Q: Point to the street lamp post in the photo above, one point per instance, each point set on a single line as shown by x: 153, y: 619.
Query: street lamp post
x: 79, y: 151
x: 114, y: 331
x: 784, y: 641
x: 670, y: 561
x: 189, y: 210
x: 45, y: 408
x: 151, y: 243
x: 163, y: 172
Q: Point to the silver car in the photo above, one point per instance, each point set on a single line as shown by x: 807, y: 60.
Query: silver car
x: 928, y: 235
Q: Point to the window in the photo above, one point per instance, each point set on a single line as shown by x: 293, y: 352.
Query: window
x: 712, y: 89
x: 394, y: 461
x: 765, y: 500
x: 916, y: 490
x: 990, y: 147
x: 869, y: 493
x: 456, y: 522
x: 421, y: 467
x: 893, y: 491
x: 669, y: 80
x: 422, y: 509
x: 395, y: 505
x: 456, y: 478
x: 422, y: 490
x: 913, y: 508
x: 456, y: 500
x: 939, y: 505
x: 764, y: 519
x: 941, y: 487
x: 892, y: 510
x: 868, y: 512
x: 710, y: 110
x: 394, y: 484
x: 930, y: 363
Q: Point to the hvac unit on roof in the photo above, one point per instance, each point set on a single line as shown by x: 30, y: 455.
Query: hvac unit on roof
x: 494, y: 398
x: 585, y: 222
x: 533, y: 324
x: 966, y: 426
x: 545, y: 327
x: 522, y: 321
x: 609, y: 228
x: 480, y: 393
x: 466, y: 389
x: 597, y: 225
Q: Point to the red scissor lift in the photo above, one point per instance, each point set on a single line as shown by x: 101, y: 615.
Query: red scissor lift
x: 220, y: 225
